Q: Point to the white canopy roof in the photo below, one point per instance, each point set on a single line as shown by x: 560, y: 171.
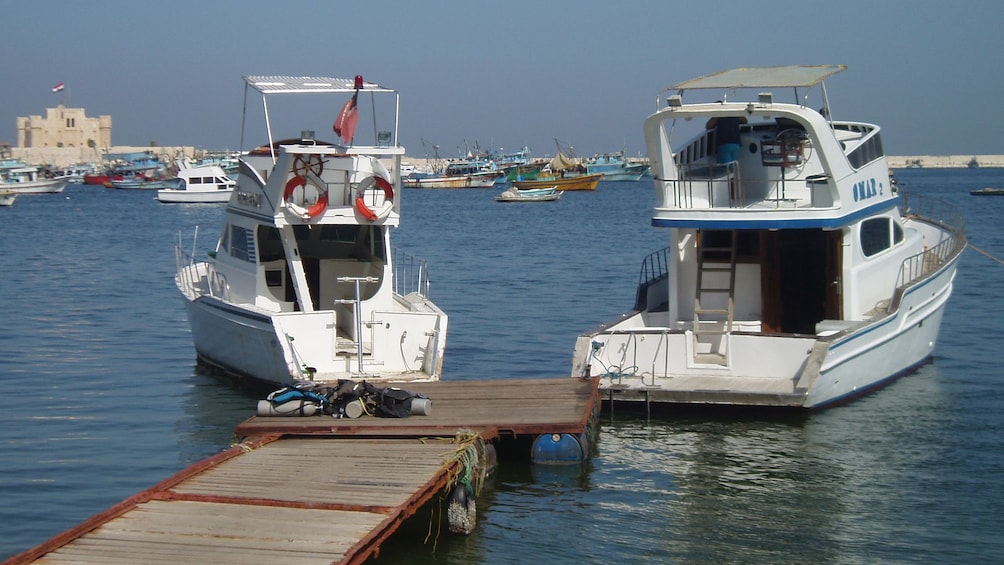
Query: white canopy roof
x: 305, y: 85
x: 763, y: 77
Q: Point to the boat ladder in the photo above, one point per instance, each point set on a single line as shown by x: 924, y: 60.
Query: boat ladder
x: 714, y: 303
x: 358, y: 303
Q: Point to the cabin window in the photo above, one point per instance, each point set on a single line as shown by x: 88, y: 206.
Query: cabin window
x: 269, y: 245
x: 868, y: 151
x: 242, y: 243
x: 897, y: 233
x: 341, y: 241
x: 273, y: 277
x: 875, y: 236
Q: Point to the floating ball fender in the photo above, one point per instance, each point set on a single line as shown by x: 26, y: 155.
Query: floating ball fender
x: 557, y: 449
x: 461, y: 510
x: 388, y: 201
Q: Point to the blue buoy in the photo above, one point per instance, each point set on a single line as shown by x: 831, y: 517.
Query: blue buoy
x: 557, y: 449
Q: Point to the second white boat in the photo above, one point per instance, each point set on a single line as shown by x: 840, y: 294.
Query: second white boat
x: 303, y: 284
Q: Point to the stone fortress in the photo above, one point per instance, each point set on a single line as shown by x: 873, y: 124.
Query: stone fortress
x: 66, y: 136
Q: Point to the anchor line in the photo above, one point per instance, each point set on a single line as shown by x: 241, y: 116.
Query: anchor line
x: 984, y: 253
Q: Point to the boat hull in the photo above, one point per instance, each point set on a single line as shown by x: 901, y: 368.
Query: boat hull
x: 48, y: 186
x: 183, y: 196
x: 239, y: 342
x: 582, y: 182
x: 768, y: 370
x: 261, y: 347
x: 469, y: 181
x: 529, y: 195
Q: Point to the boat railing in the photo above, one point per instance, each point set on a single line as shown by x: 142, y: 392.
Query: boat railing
x: 411, y: 275
x: 654, y: 267
x: 942, y: 214
x: 198, y: 279
x: 708, y: 186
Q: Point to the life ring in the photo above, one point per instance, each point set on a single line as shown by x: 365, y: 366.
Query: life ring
x: 388, y: 198
x: 312, y: 211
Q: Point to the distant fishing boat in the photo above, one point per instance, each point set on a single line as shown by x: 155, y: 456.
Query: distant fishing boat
x: 615, y: 167
x: 572, y: 182
x: 7, y: 198
x: 126, y: 166
x: 459, y: 174
x: 988, y: 191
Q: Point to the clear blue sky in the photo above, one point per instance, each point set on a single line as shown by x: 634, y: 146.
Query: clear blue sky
x: 503, y: 73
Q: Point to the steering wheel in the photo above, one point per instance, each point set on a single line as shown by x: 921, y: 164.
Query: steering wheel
x: 793, y: 144
x: 304, y: 164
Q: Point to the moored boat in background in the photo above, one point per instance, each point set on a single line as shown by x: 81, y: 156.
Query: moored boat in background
x: 574, y: 182
x: 796, y: 273
x: 988, y: 191
x: 198, y: 184
x: 22, y: 178
x: 615, y: 167
x: 513, y: 194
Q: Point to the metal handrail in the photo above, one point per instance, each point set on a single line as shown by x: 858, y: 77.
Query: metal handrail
x: 410, y: 275
x: 940, y: 213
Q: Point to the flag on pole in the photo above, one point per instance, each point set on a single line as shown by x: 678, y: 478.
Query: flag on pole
x: 345, y: 124
x: 58, y: 87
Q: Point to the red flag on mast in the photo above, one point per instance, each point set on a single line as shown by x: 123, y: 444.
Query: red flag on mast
x: 345, y: 124
x: 58, y: 87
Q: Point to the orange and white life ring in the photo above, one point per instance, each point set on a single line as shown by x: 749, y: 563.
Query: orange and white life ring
x: 383, y: 211
x: 296, y: 201
x: 305, y: 167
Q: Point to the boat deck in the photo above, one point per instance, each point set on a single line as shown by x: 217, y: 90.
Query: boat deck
x: 318, y: 489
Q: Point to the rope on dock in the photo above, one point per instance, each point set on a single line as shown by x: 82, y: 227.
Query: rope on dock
x: 468, y: 466
x: 984, y: 253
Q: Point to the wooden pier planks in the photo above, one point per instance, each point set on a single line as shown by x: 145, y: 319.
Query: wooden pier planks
x: 513, y: 406
x: 316, y: 489
x: 312, y: 500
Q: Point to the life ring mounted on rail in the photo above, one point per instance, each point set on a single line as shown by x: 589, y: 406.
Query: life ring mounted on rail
x: 306, y: 179
x: 381, y: 182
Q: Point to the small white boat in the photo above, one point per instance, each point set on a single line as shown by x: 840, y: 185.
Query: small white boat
x: 513, y: 194
x: 796, y: 274
x: 303, y: 284
x: 27, y: 179
x: 7, y: 198
x: 201, y: 184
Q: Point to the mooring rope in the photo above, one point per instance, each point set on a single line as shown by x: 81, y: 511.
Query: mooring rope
x: 984, y: 253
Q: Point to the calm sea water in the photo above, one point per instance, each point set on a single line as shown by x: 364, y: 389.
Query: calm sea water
x: 101, y: 397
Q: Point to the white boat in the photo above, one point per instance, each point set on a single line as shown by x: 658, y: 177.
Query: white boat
x: 796, y: 274
x: 74, y: 173
x: 303, y: 284
x: 513, y: 194
x: 27, y: 179
x: 199, y: 184
x: 7, y: 198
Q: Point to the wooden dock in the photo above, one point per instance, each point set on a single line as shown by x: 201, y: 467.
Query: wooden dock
x: 318, y: 489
